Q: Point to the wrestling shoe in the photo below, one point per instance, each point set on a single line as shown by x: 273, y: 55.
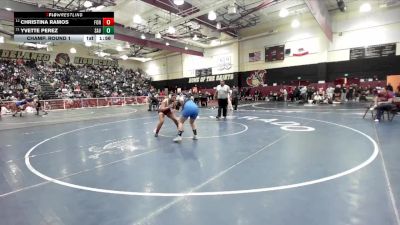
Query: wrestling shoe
x: 178, y: 139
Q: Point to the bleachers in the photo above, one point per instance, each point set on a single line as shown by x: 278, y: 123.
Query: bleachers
x: 48, y: 92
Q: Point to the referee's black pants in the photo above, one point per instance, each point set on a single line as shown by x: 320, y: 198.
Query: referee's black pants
x: 222, y: 104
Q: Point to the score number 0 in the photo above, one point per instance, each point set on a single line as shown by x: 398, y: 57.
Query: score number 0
x: 108, y: 25
x: 108, y: 21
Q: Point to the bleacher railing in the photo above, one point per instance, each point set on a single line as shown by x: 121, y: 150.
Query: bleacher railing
x: 62, y: 104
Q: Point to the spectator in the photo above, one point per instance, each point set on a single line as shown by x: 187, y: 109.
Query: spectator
x: 383, y: 102
x: 70, y: 80
x: 329, y: 91
x: 285, y: 94
x: 235, y: 97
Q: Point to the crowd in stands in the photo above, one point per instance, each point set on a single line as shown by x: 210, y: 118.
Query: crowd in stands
x: 338, y: 93
x: 18, y: 79
x: 302, y: 94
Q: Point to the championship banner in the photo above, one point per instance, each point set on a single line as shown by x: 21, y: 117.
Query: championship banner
x: 223, y: 62
x: 12, y: 54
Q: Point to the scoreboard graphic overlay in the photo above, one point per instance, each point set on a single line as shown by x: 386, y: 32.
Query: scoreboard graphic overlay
x: 63, y: 26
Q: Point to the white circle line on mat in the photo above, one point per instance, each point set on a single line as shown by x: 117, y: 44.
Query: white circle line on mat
x: 73, y: 118
x: 213, y: 193
x: 214, y: 136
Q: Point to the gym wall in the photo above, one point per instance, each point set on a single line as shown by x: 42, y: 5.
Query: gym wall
x: 351, y: 30
x: 223, y: 59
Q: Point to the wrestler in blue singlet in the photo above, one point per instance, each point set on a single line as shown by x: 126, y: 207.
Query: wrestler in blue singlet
x: 189, y: 109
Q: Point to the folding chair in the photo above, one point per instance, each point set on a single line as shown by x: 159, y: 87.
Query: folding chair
x: 369, y: 109
x: 390, y: 113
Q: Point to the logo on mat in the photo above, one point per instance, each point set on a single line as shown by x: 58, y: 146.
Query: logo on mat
x: 256, y: 78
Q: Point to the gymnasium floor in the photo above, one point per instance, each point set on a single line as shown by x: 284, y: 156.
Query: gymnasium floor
x: 267, y: 164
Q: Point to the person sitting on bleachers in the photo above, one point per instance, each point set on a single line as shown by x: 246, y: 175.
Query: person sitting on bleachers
x: 363, y: 94
x: 337, y: 94
x: 330, y: 92
x: 319, y: 96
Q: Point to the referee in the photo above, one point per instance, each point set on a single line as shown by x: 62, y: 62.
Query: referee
x: 222, y: 94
